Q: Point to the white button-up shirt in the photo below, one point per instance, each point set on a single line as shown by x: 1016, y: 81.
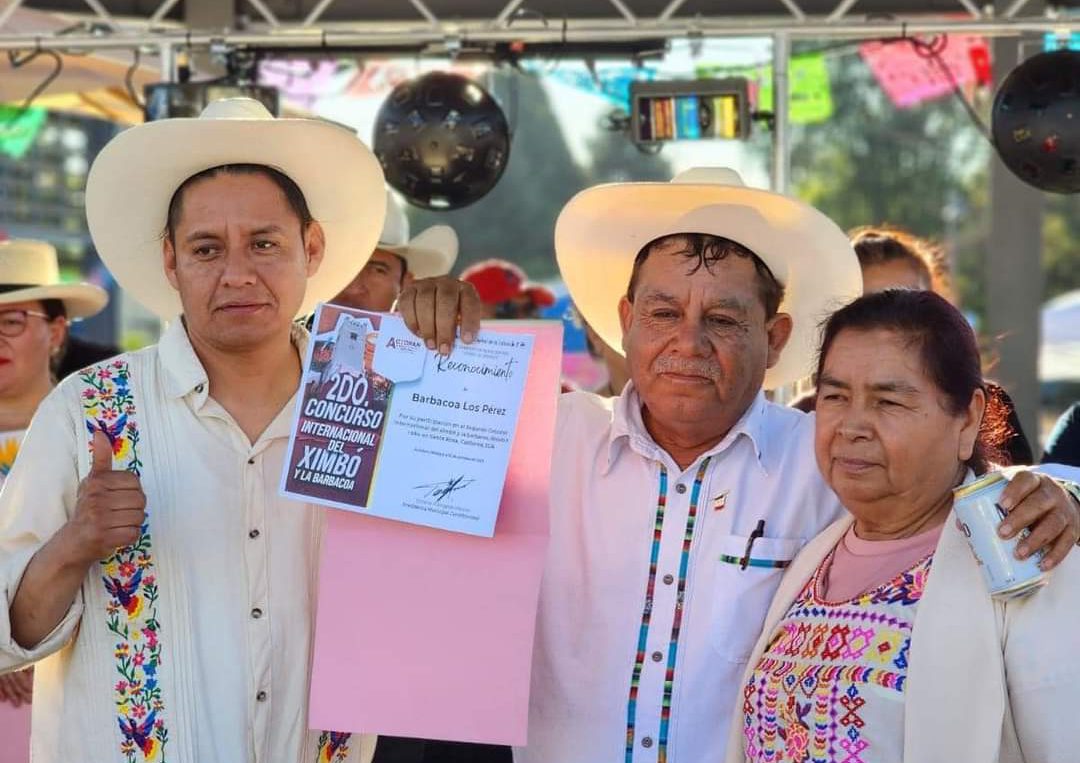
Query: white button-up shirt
x: 236, y: 568
x: 646, y: 616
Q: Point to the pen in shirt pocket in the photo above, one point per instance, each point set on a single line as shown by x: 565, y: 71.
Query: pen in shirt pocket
x: 747, y: 560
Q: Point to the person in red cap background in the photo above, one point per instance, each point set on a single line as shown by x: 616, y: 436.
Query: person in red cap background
x: 505, y: 290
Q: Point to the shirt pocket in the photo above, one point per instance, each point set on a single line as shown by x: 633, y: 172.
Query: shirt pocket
x: 743, y: 596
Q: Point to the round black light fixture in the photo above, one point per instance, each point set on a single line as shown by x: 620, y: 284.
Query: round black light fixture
x: 443, y: 141
x: 1036, y: 121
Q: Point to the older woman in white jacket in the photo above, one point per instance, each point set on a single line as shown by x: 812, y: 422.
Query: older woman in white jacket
x: 883, y: 643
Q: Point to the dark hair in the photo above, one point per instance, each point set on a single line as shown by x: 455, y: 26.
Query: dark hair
x: 880, y: 244
x: 948, y: 351
x: 705, y: 250
x: 54, y: 308
x: 293, y: 195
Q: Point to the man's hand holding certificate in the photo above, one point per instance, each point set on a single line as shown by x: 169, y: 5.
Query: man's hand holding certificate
x: 387, y: 427
x: 390, y: 429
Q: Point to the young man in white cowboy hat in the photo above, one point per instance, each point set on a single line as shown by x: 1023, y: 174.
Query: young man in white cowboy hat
x: 675, y: 507
x: 148, y: 565
x: 398, y: 260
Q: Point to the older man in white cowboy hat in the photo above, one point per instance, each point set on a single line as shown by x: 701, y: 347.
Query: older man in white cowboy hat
x: 398, y: 260
x: 676, y: 506
x: 147, y: 563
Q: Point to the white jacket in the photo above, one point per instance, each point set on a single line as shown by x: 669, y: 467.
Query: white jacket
x: 988, y: 682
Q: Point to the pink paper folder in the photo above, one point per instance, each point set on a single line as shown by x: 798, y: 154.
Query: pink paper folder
x: 14, y: 733
x: 427, y: 633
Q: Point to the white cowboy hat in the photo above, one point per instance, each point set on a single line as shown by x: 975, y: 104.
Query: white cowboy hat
x: 601, y: 230
x: 29, y: 272
x: 135, y: 176
x: 395, y: 230
x: 430, y: 254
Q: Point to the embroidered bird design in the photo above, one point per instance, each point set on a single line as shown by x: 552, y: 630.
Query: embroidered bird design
x: 124, y: 592
x: 140, y: 733
x: 114, y: 431
x: 338, y: 742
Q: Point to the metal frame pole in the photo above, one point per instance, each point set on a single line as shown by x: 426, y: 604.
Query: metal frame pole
x: 168, y: 62
x: 781, y: 159
x: 383, y: 35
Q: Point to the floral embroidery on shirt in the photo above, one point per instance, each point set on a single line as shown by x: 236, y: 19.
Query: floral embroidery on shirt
x: 9, y: 448
x: 333, y: 747
x: 831, y: 672
x: 129, y: 578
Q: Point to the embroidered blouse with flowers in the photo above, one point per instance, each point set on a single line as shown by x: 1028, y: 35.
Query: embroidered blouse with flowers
x: 9, y: 448
x: 195, y: 643
x: 830, y: 686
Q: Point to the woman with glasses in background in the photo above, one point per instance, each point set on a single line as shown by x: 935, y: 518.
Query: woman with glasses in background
x: 34, y: 312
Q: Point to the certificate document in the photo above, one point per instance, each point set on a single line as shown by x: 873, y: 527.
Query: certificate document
x: 387, y: 428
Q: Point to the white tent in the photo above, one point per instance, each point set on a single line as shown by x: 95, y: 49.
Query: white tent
x: 1059, y: 356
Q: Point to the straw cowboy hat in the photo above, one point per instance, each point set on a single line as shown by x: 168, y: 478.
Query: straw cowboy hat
x: 602, y: 229
x: 395, y: 229
x: 29, y: 272
x: 135, y: 176
x: 430, y: 254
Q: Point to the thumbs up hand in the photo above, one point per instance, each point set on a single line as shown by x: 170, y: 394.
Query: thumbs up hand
x: 109, y: 507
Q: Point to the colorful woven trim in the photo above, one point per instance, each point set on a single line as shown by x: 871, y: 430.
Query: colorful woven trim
x: 773, y: 564
x: 646, y: 617
x: 673, y: 646
x: 131, y: 614
x: 333, y: 747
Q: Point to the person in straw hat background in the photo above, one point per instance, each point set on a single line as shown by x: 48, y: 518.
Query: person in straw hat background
x: 398, y: 260
x: 676, y: 506
x: 34, y: 312
x: 76, y: 352
x: 148, y: 566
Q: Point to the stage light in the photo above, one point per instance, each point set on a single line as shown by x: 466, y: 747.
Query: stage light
x: 443, y: 141
x: 1036, y: 121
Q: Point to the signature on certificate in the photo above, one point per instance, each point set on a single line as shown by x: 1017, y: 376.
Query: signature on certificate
x: 440, y: 490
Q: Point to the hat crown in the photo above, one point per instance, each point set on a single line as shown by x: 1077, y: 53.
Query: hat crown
x: 28, y: 263
x: 235, y: 108
x: 395, y: 231
x: 709, y: 176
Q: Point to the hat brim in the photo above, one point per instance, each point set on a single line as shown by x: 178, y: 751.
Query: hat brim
x: 81, y: 300
x: 430, y: 254
x: 135, y: 176
x: 602, y: 229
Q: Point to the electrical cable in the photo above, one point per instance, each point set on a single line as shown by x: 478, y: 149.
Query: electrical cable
x: 16, y: 61
x: 129, y: 81
x: 932, y: 51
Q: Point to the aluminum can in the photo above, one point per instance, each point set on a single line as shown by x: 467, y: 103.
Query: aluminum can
x: 978, y: 515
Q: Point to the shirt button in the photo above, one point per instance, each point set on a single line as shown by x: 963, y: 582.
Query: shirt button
x: 199, y: 387
x: 256, y: 613
x: 657, y: 656
x: 680, y: 488
x: 646, y: 742
x: 668, y: 579
x: 251, y: 461
x: 255, y: 534
x: 260, y: 697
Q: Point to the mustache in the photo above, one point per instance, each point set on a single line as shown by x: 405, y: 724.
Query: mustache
x: 705, y: 367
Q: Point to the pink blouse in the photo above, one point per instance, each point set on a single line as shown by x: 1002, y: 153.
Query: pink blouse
x: 859, y: 565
